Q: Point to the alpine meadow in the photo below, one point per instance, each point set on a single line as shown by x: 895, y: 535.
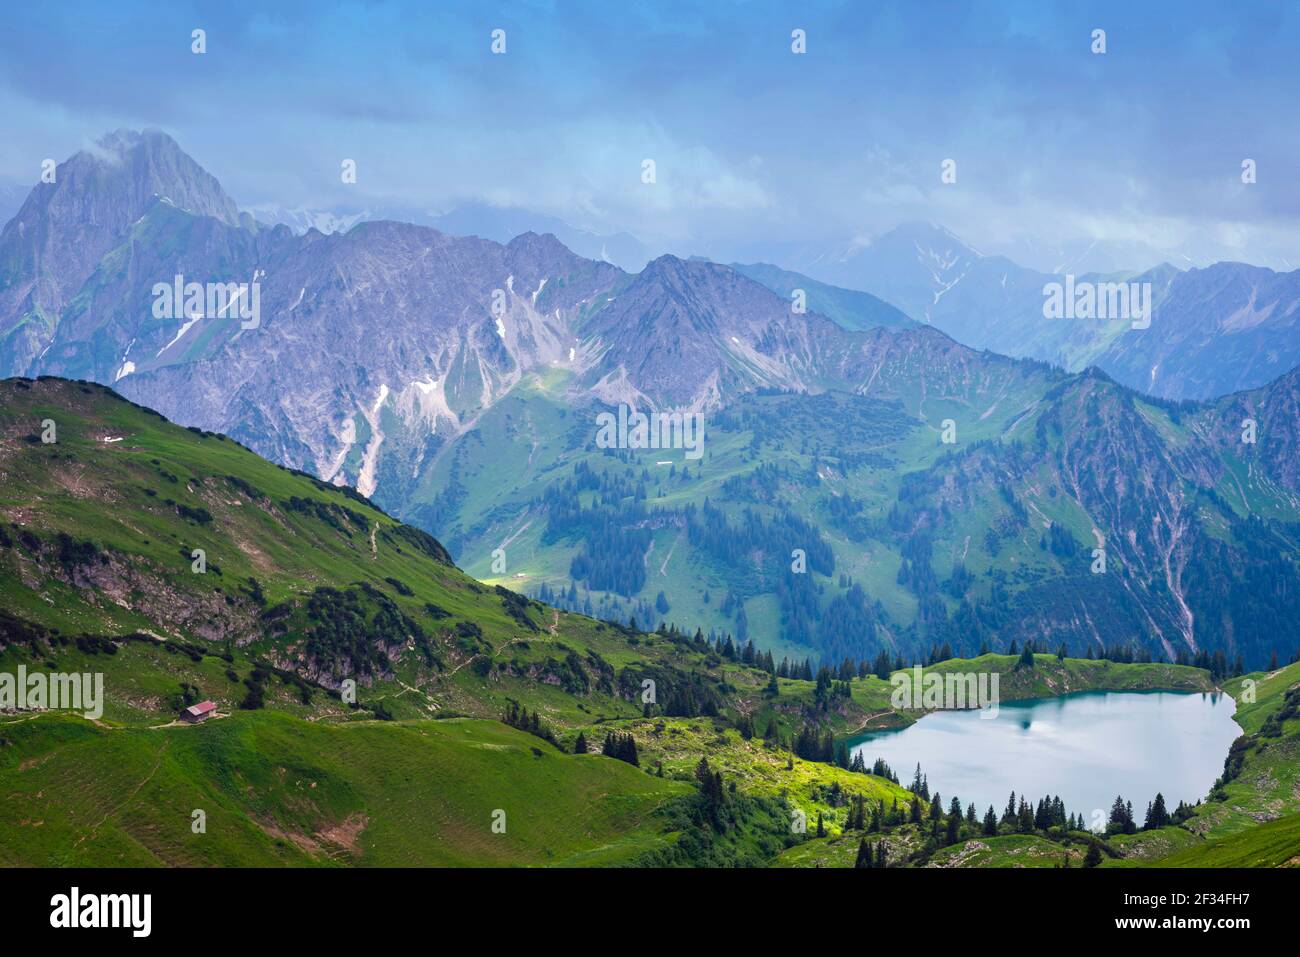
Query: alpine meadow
x: 746, y: 436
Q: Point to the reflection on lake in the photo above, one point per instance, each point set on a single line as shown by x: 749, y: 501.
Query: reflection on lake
x: 1085, y: 747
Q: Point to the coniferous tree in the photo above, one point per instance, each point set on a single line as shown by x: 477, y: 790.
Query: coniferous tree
x: 1025, y: 817
x: 990, y: 823
x: 1026, y: 656
x: 881, y: 666
x: 1157, y: 815
x: 865, y: 858
x: 1121, y: 817
x: 857, y: 814
x: 580, y: 746
x: 622, y: 747
x: 773, y: 733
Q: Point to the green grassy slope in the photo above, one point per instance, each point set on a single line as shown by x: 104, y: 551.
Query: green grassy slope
x: 277, y: 790
x: 968, y: 542
x: 1275, y: 844
x: 824, y: 455
x: 307, y: 586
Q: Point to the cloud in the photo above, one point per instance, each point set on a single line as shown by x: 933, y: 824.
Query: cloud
x: 1138, y: 145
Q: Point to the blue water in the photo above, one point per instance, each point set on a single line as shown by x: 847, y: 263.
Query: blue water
x: 1086, y: 748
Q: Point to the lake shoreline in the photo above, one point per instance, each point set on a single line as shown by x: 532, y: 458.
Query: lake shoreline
x: 1086, y: 745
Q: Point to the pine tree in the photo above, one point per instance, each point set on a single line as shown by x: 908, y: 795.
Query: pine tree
x: 773, y: 733
x: 990, y: 823
x: 1025, y: 817
x: 1093, y: 857
x: 580, y: 746
x: 864, y: 855
x: 857, y: 814
x: 1157, y: 815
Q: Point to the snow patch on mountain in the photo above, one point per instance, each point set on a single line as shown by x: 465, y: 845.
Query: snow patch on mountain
x: 366, y: 481
x: 185, y: 327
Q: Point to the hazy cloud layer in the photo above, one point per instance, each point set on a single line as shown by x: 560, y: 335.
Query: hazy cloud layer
x: 1141, y: 146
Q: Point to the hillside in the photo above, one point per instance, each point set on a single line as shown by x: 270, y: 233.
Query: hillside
x: 308, y: 587
x: 863, y: 482
x: 276, y: 790
x: 908, y: 542
x: 1226, y: 328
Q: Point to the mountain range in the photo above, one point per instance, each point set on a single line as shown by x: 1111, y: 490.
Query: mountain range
x: 1213, y: 330
x: 371, y: 704
x: 497, y: 223
x: 938, y: 492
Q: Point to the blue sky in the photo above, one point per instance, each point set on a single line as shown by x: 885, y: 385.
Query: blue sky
x: 1051, y: 141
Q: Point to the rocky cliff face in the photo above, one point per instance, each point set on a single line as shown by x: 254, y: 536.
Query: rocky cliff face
x: 412, y: 365
x: 1216, y: 331
x: 1213, y: 331
x: 65, y: 228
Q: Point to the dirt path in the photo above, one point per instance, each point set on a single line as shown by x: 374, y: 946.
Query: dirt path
x: 504, y: 645
x: 177, y: 723
x: 663, y: 569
